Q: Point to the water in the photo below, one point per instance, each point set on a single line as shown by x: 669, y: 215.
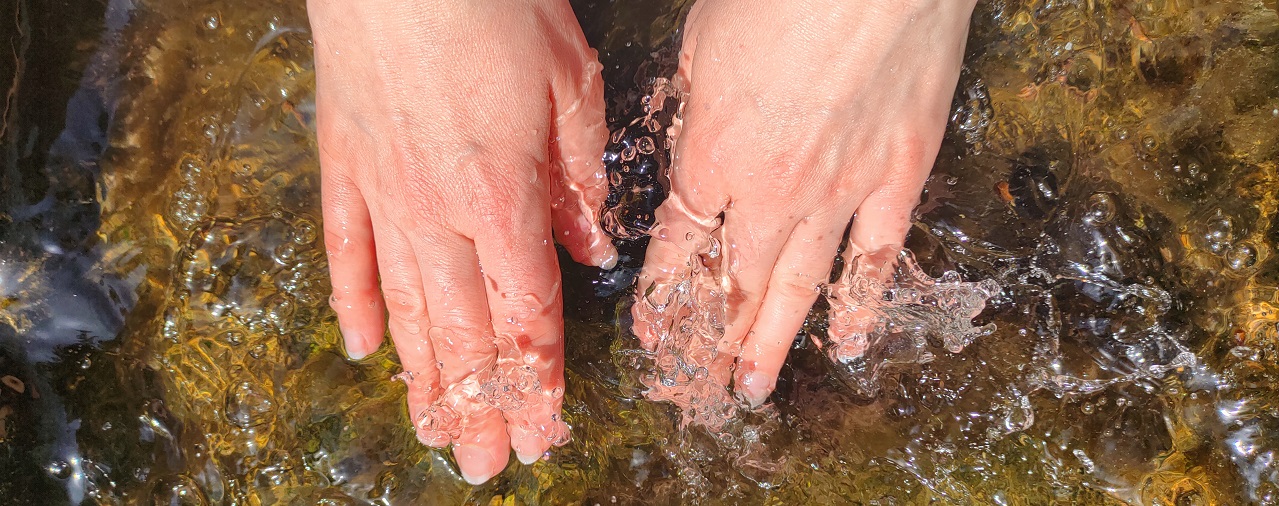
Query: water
x: 165, y: 338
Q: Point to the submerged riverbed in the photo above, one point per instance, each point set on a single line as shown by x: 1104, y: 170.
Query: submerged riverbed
x: 165, y: 338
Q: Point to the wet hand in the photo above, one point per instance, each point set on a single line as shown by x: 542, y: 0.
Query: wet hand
x: 457, y: 140
x: 800, y: 117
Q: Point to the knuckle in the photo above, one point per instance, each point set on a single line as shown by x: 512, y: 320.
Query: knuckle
x: 461, y: 320
x: 403, y: 304
x: 495, y: 218
x: 460, y: 340
x: 909, y: 148
x: 335, y: 242
x: 352, y: 303
x: 425, y: 200
x: 797, y: 288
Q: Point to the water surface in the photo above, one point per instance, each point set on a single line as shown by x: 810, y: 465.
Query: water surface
x: 164, y: 335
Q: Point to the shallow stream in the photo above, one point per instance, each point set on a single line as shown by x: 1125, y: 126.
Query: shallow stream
x: 165, y: 338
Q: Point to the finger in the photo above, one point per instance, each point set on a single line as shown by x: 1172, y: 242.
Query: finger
x: 422, y: 380
x: 884, y: 218
x: 681, y: 234
x: 349, y: 244
x: 753, y: 241
x: 802, y: 268
x: 462, y: 338
x: 670, y: 287
x: 484, y: 447
x: 456, y: 306
x: 408, y: 321
x: 877, y: 234
x: 688, y: 45
x: 577, y: 146
x: 682, y: 225
x: 522, y: 279
x: 683, y: 79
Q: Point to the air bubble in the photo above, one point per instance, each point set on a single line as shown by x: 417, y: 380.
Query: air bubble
x: 248, y: 405
x: 645, y: 146
x: 1218, y: 233
x: 1242, y: 256
x: 1100, y: 210
x: 59, y: 469
x: 304, y: 232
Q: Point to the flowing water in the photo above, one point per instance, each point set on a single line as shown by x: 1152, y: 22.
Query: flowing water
x: 1109, y: 176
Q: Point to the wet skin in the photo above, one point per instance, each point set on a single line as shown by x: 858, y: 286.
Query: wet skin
x: 800, y: 117
x: 459, y: 138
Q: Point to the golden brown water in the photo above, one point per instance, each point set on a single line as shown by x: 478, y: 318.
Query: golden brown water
x: 164, y: 337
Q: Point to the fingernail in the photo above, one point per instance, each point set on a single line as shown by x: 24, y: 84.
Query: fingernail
x: 355, y: 344
x: 608, y: 260
x: 433, y: 438
x: 753, y: 390
x: 529, y: 459
x: 477, y: 464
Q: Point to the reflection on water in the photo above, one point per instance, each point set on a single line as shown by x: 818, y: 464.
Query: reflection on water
x: 164, y: 337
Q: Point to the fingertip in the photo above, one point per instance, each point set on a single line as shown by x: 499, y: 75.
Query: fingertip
x: 585, y: 241
x: 355, y: 353
x: 607, y: 259
x: 357, y: 345
x: 530, y: 456
x: 754, y: 386
x: 478, y: 464
x: 529, y: 459
x: 529, y: 447
x: 433, y: 438
x: 641, y: 313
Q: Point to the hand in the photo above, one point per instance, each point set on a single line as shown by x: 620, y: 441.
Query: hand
x: 800, y: 117
x: 454, y: 137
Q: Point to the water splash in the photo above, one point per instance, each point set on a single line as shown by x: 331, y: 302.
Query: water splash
x: 515, y: 388
x: 511, y: 385
x: 687, y: 319
x: 882, y: 297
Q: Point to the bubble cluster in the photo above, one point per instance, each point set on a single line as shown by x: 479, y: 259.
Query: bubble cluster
x: 516, y: 388
x: 512, y: 385
x: 637, y: 159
